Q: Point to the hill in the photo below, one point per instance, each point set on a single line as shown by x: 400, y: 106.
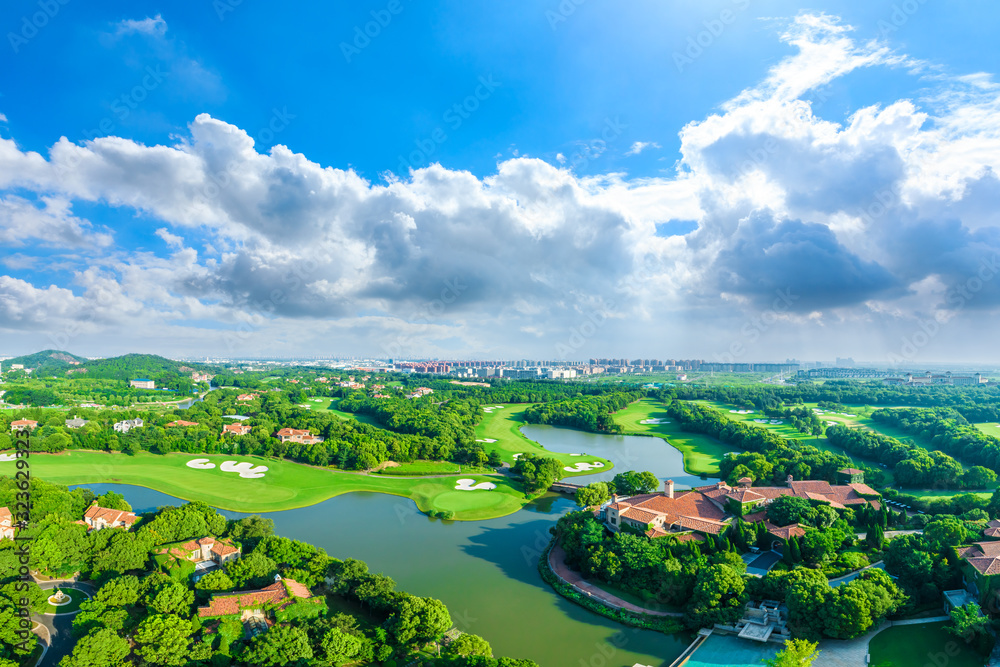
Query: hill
x: 46, y: 360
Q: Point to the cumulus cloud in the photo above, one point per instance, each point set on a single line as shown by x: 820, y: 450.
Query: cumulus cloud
x: 153, y: 26
x: 870, y: 221
x: 640, y: 146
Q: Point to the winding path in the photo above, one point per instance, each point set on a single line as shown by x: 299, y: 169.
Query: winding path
x: 557, y: 562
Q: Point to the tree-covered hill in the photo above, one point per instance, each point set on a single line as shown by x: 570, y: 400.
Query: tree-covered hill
x: 46, y: 360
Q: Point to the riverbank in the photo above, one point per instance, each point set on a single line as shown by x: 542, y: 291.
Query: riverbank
x: 573, y: 587
x: 702, y: 454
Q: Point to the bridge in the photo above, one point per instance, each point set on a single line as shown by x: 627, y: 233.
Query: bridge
x: 565, y: 487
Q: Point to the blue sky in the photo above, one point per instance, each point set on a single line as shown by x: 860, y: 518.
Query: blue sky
x: 592, y: 162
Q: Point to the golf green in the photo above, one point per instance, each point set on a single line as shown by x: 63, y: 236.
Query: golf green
x: 285, y: 485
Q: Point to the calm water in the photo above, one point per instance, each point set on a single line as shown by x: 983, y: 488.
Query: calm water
x: 485, y: 572
x: 627, y: 452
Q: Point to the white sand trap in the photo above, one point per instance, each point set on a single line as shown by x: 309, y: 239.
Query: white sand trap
x: 486, y: 440
x: 831, y: 423
x: 759, y: 421
x: 305, y: 406
x: 517, y: 456
x: 583, y: 467
x: 246, y: 470
x: 777, y: 421
x: 742, y: 412
x: 467, y: 485
x: 7, y: 457
x: 654, y: 420
x: 498, y: 407
x: 200, y: 464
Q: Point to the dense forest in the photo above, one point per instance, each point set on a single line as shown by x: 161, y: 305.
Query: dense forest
x: 589, y: 413
x: 946, y: 429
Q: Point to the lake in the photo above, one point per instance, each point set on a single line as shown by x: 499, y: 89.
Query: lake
x: 485, y: 571
x: 627, y: 452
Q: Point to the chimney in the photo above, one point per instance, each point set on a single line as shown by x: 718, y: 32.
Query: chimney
x: 789, y: 480
x: 614, y: 497
x: 668, y: 488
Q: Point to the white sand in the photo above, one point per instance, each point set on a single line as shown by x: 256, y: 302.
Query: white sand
x: 654, y: 420
x: 246, y: 470
x: 486, y: 440
x: 583, y: 467
x: 7, y: 457
x: 516, y: 456
x: 200, y: 464
x: 831, y: 423
x: 467, y: 485
x: 777, y: 421
x: 742, y: 412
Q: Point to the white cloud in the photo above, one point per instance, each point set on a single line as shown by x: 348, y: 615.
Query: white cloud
x: 153, y: 26
x: 868, y: 221
x: 640, y: 146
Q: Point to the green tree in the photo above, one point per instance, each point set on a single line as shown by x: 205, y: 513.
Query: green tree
x: 875, y: 537
x: 163, y: 639
x: 593, y: 494
x: 630, y: 483
x: 119, y: 592
x: 718, y: 597
x: 281, y: 645
x: 466, y: 645
x: 102, y: 648
x: 216, y: 580
x: 787, y: 510
x: 797, y: 653
x: 339, y: 647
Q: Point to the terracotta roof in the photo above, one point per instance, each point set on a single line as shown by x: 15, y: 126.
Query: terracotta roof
x: 745, y: 496
x: 181, y: 422
x: 852, y: 471
x: 5, y: 513
x: 690, y: 537
x: 983, y: 556
x: 223, y: 549
x: 238, y: 429
x: 991, y: 532
x: 95, y: 513
x: 637, y: 514
x: 864, y: 489
x: 785, y: 532
x: 24, y: 422
x: 745, y: 480
x: 756, y: 517
x: 231, y: 603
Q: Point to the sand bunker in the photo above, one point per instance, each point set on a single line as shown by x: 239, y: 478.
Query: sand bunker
x: 583, y: 467
x: 517, y: 456
x: 7, y: 457
x: 245, y: 470
x: 831, y: 423
x: 654, y: 421
x: 486, y: 440
x: 777, y: 421
x: 467, y: 485
x: 742, y: 412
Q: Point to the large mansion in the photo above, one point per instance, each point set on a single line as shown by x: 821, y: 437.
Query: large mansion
x: 710, y: 509
x: 97, y: 517
x: 6, y: 523
x: 303, y: 436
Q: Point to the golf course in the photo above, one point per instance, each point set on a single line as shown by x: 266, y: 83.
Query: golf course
x: 500, y: 431
x: 283, y: 485
x: 702, y: 453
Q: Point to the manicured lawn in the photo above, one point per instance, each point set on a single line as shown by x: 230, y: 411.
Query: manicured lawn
x: 76, y: 596
x: 502, y: 425
x: 990, y: 428
x: 919, y: 645
x: 424, y: 467
x: 324, y: 404
x: 286, y: 485
x: 702, y: 453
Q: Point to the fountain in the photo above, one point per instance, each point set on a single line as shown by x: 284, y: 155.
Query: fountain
x: 59, y: 599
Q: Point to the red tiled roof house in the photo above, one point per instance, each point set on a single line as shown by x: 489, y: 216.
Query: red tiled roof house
x: 97, y: 518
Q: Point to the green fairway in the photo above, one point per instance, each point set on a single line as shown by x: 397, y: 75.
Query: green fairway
x: 285, y: 485
x: 502, y: 426
x: 326, y: 404
x: 917, y: 645
x: 702, y: 453
x: 990, y: 428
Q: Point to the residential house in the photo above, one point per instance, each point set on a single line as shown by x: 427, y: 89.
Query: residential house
x: 208, y: 548
x: 76, y: 422
x: 97, y: 518
x: 992, y: 529
x: 709, y: 509
x: 298, y: 435
x: 236, y: 429
x: 19, y: 424
x: 980, y: 567
x: 181, y: 422
x: 128, y: 425
x: 246, y: 397
x: 255, y: 604
x: 6, y: 523
x: 143, y: 383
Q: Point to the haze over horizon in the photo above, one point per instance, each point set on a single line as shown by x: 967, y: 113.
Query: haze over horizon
x: 717, y: 182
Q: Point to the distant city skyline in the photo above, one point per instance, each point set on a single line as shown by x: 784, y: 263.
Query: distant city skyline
x: 730, y: 182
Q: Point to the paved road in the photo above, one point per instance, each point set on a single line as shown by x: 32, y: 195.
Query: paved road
x: 59, y: 626
x: 854, y: 575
